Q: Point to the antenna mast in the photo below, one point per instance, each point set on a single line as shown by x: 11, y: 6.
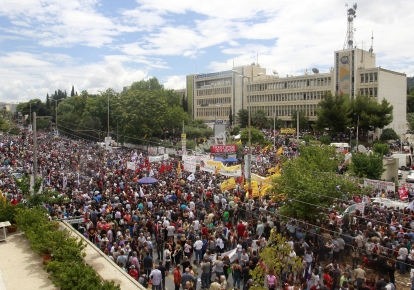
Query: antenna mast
x: 371, y: 50
x: 351, y: 14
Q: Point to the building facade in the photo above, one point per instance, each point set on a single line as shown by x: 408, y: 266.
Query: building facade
x: 217, y: 95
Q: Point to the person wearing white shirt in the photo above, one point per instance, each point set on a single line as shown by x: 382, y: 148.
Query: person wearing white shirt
x: 198, y: 245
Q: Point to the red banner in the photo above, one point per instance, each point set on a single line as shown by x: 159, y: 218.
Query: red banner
x: 403, y: 192
x: 223, y: 148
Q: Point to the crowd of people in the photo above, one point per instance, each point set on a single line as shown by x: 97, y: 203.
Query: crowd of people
x: 198, y: 235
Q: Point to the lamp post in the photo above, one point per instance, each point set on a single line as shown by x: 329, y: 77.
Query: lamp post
x: 274, y: 131
x: 108, y: 115
x: 56, y: 102
x: 249, y: 155
x: 350, y: 136
x: 30, y: 114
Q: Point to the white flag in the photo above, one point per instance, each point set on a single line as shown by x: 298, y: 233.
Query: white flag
x: 151, y: 173
x: 141, y: 192
x: 191, y: 177
x: 411, y: 206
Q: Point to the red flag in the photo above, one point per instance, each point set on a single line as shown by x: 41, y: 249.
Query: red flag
x: 240, y: 179
x: 162, y: 169
x: 149, y: 167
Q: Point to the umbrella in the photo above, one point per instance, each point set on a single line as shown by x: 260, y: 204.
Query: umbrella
x: 231, y: 159
x: 218, y: 159
x: 147, y: 180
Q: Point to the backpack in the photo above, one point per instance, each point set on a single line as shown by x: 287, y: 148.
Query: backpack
x: 143, y: 281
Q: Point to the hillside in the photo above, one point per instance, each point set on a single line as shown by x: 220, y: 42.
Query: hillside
x: 410, y: 82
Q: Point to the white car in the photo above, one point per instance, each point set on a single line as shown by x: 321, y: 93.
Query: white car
x: 410, y: 178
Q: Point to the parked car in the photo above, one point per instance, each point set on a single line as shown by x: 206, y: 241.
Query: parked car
x: 400, y: 175
x: 410, y: 178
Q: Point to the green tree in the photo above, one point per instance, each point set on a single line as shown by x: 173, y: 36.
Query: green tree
x: 333, y: 113
x: 410, y: 102
x: 242, y: 118
x: 235, y: 130
x: 310, y: 183
x: 152, y: 84
x: 389, y: 134
x: 371, y: 113
x: 381, y: 149
x: 303, y: 120
x: 259, y: 119
x: 410, y: 119
x: 72, y: 92
x: 257, y: 137
x: 369, y: 166
x: 231, y: 117
x: 276, y: 258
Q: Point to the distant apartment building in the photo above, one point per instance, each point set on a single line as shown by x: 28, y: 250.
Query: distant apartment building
x: 214, y: 95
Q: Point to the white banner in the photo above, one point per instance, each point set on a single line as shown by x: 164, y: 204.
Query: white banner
x: 131, y: 165
x: 189, y: 167
x: 381, y: 185
x: 156, y: 158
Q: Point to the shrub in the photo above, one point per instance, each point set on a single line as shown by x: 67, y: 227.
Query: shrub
x: 325, y: 140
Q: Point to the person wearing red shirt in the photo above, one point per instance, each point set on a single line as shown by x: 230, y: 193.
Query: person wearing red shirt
x: 240, y: 230
x: 177, y: 277
x: 327, y: 278
x: 133, y: 272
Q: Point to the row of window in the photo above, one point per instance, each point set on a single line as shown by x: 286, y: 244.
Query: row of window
x: 370, y: 92
x: 215, y: 91
x: 287, y: 97
x: 213, y: 112
x: 213, y: 101
x: 286, y: 110
x: 297, y: 84
x: 369, y: 77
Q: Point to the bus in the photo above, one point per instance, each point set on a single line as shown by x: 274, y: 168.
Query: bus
x: 341, y: 147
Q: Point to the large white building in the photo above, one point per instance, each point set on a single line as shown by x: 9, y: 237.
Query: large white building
x: 215, y: 95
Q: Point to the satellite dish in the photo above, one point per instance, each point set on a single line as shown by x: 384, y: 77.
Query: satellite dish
x: 355, y: 6
x: 315, y: 70
x: 275, y: 72
x: 362, y: 149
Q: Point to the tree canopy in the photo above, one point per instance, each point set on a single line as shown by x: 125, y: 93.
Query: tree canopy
x: 369, y: 166
x: 257, y: 137
x: 333, y: 113
x: 371, y: 113
x: 242, y: 118
x: 310, y: 182
x: 389, y: 134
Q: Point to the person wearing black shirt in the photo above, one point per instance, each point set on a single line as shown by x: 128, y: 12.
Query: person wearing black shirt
x: 380, y: 283
x: 246, y: 274
x: 163, y: 270
x: 185, y: 264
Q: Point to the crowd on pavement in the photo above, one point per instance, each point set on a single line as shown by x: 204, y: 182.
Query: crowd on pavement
x: 198, y: 235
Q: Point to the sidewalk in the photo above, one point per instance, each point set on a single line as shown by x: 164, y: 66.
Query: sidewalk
x: 20, y: 267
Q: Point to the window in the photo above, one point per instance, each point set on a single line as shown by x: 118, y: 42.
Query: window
x: 375, y: 77
x: 375, y: 92
x: 371, y: 77
x: 362, y: 78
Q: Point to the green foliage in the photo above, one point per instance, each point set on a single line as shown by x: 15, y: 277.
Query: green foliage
x: 259, y: 119
x: 42, y: 123
x: 190, y: 144
x: 369, y: 166
x: 389, y: 134
x: 231, y: 117
x: 14, y: 131
x: 326, y: 140
x: 333, y: 113
x: 381, y: 149
x: 146, y: 85
x: 410, y: 119
x: 23, y: 184
x: 4, y: 126
x: 371, y: 113
x: 307, y: 137
x: 257, y: 137
x: 276, y: 258
x: 8, y: 211
x: 314, y: 171
x: 410, y: 102
x: 235, y: 130
x: 242, y: 118
x: 303, y: 120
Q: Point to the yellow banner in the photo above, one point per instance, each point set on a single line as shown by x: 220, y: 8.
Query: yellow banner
x: 279, y: 151
x: 214, y: 163
x: 179, y: 168
x: 228, y: 184
x: 288, y: 130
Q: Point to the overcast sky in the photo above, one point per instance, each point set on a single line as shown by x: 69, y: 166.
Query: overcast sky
x: 47, y: 45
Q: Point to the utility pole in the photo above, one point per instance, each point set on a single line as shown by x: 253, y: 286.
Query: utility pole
x: 274, y: 131
x: 297, y: 126
x: 108, y: 115
x: 34, y: 149
x: 249, y: 156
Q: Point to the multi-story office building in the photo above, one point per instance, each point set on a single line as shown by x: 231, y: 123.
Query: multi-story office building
x: 213, y: 96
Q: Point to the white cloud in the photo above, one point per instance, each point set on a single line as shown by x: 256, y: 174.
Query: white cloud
x: 175, y: 83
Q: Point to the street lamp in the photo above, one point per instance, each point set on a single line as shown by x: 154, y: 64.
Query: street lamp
x: 350, y: 136
x: 249, y: 156
x: 56, y: 101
